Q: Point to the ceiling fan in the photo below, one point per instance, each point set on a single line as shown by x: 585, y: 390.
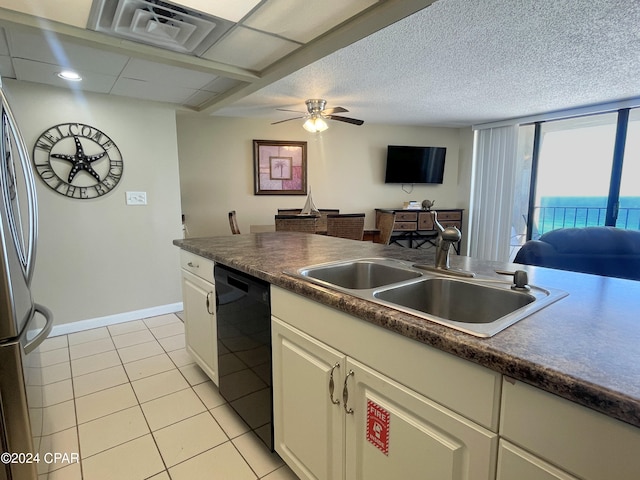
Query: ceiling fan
x: 317, y: 115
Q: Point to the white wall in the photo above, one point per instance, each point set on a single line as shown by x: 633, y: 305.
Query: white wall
x: 345, y: 170
x: 100, y: 258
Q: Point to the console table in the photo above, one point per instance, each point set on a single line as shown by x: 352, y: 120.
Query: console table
x: 417, y: 226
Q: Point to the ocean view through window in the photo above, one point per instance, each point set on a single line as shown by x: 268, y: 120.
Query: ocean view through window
x: 577, y: 172
x: 565, y: 212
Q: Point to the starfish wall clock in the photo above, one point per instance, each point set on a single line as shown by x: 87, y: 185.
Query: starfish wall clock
x: 77, y: 161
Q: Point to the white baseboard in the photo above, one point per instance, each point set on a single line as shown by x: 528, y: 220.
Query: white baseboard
x: 88, y: 324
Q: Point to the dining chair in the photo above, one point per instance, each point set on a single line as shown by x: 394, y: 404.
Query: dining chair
x: 296, y: 223
x: 322, y: 221
x: 289, y: 211
x: 346, y: 225
x: 233, y: 223
x: 321, y: 225
x: 384, y: 222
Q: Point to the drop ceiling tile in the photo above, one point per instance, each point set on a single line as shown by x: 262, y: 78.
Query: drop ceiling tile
x: 221, y: 84
x: 4, y: 48
x: 71, y: 12
x: 166, y: 74
x: 51, y: 48
x: 38, y: 72
x: 128, y: 87
x: 6, y: 67
x: 304, y: 21
x: 233, y: 10
x: 248, y: 48
x: 199, y: 97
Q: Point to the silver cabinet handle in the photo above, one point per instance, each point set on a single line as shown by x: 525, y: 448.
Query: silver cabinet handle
x: 345, y: 393
x: 209, y: 303
x: 193, y: 265
x: 332, y: 385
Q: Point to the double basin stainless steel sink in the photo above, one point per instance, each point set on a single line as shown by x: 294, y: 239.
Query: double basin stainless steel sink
x: 478, y: 306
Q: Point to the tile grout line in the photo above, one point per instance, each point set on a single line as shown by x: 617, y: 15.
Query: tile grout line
x: 110, y: 337
x: 153, y: 437
x: 229, y: 439
x: 75, y: 411
x: 139, y: 404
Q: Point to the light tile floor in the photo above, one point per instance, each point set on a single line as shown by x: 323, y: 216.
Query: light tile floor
x: 130, y: 400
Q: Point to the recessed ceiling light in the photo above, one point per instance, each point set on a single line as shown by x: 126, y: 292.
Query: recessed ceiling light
x: 70, y: 76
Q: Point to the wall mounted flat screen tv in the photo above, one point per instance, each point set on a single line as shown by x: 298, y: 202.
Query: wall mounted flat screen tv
x: 407, y: 164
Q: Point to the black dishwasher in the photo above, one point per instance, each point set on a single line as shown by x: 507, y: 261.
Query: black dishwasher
x: 243, y: 314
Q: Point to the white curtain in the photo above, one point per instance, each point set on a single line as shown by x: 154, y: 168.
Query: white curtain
x: 492, y: 198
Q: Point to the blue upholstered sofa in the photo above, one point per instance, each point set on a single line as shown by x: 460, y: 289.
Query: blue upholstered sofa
x: 605, y: 251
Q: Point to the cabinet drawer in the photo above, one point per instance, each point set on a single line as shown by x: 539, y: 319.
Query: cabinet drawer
x: 579, y: 440
x: 406, y: 216
x: 446, y: 219
x: 404, y: 226
x: 513, y: 462
x: 458, y: 225
x: 197, y: 265
x: 425, y: 222
x: 449, y: 216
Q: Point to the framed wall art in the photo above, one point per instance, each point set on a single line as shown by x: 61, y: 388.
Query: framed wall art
x: 280, y: 167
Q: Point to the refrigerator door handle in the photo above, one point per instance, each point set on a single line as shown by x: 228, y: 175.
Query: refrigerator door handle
x: 27, y: 252
x: 35, y: 342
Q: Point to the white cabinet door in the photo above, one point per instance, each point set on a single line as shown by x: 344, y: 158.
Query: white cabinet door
x: 308, y: 424
x: 375, y: 429
x: 199, y: 298
x: 395, y: 433
x: 585, y: 443
x: 517, y: 464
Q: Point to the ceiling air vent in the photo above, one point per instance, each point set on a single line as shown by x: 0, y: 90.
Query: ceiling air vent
x: 157, y: 23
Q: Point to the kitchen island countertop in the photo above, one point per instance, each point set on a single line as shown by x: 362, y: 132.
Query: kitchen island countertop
x: 585, y: 347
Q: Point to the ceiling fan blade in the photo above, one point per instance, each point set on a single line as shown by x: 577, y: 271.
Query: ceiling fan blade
x: 287, y: 110
x: 353, y: 121
x: 330, y: 111
x: 287, y: 120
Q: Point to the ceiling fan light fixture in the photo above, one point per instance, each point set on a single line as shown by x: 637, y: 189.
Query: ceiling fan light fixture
x: 315, y: 124
x: 316, y: 119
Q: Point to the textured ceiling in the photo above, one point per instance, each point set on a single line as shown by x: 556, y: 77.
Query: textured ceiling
x: 460, y: 63
x: 453, y: 63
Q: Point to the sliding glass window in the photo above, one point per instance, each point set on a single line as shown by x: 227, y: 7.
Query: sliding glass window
x: 574, y: 171
x: 629, y: 207
x: 583, y: 172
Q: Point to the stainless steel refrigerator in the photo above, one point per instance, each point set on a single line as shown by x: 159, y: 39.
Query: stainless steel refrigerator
x: 24, y: 324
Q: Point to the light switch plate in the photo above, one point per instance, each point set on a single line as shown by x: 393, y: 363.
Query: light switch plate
x: 136, y: 198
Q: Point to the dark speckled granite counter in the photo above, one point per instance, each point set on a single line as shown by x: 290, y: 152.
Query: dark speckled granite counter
x: 585, y: 348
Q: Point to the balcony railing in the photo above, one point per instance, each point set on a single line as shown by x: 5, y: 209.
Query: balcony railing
x: 552, y: 218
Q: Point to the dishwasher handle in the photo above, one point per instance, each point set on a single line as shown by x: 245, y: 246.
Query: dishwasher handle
x: 231, y: 280
x: 237, y: 283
